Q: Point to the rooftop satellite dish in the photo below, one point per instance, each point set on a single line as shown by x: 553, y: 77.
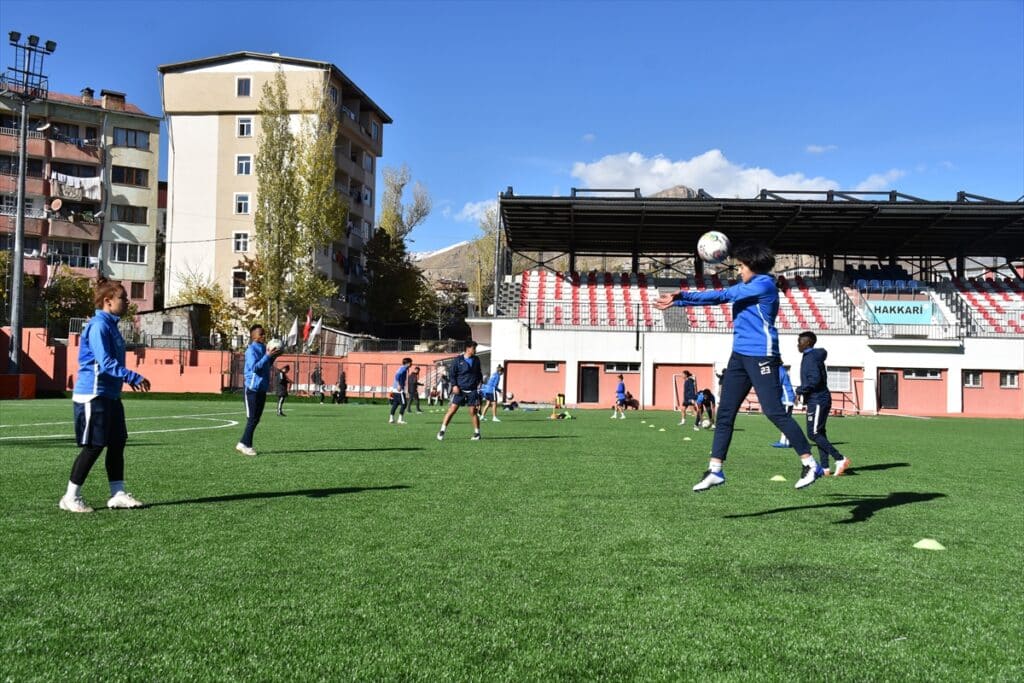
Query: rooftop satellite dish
x: 56, y: 204
x: 98, y: 214
x: 43, y: 127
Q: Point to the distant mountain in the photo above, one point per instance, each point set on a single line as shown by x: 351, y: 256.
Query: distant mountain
x: 453, y: 262
x: 417, y: 256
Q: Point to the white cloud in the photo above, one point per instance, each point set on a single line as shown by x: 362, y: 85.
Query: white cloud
x: 821, y: 149
x: 476, y: 211
x: 446, y: 211
x: 947, y: 165
x: 710, y: 171
x: 881, y: 181
x: 589, y: 137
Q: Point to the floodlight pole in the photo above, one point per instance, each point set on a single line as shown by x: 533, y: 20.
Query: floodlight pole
x: 27, y: 83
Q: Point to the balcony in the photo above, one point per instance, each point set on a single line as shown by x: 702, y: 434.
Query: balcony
x: 33, y: 185
x: 73, y: 261
x: 77, y: 189
x: 75, y: 150
x: 351, y: 126
x: 33, y: 226
x: 9, y: 142
x: 34, y: 266
x: 62, y: 225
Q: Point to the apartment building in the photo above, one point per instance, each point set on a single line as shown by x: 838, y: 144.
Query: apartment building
x: 90, y: 191
x: 212, y: 111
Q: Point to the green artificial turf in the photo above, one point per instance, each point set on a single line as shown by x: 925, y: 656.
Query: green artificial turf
x: 551, y: 550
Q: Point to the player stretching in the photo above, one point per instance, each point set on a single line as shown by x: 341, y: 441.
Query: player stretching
x: 490, y: 392
x: 818, y: 400
x: 257, y: 381
x: 754, y: 361
x: 398, y: 388
x: 466, y: 379
x: 99, y: 413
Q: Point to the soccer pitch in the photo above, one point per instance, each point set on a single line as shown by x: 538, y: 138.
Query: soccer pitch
x: 353, y: 549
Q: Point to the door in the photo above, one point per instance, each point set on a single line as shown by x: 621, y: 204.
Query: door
x: 888, y: 390
x: 588, y: 384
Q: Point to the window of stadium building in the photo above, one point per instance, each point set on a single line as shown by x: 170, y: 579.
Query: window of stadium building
x: 1008, y: 380
x: 922, y: 374
x: 972, y: 379
x: 839, y: 379
x: 621, y: 367
x: 551, y: 366
x: 123, y: 252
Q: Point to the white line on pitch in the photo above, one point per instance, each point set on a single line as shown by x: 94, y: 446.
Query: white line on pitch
x: 130, y: 419
x: 228, y: 423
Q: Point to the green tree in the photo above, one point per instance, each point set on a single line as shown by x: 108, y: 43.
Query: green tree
x: 276, y: 219
x: 395, y: 288
x: 397, y: 218
x: 199, y: 289
x: 67, y: 296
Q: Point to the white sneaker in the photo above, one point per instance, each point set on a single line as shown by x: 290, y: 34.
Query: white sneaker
x: 245, y: 450
x: 402, y: 422
x: 124, y: 500
x: 73, y: 504
x: 475, y: 437
x: 841, y: 466
x: 614, y: 416
x: 809, y: 475
x: 440, y: 435
x: 622, y: 416
x: 494, y: 419
x: 710, y: 479
x: 391, y: 420
x: 682, y: 423
x: 696, y: 428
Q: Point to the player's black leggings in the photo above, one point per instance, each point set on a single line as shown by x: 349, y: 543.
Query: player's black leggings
x: 398, y: 403
x: 87, y: 458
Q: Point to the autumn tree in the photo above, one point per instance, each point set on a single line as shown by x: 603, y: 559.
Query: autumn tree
x: 195, y: 288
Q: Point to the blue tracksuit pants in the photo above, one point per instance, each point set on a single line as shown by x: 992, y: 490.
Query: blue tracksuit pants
x: 817, y: 415
x: 762, y: 374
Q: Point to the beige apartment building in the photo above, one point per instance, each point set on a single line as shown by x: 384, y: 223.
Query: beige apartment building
x: 90, y: 190
x: 212, y: 111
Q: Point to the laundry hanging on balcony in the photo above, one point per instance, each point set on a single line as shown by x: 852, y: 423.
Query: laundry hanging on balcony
x: 75, y: 187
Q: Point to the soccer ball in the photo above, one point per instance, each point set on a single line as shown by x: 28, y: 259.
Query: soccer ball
x: 705, y: 424
x: 713, y: 247
x: 273, y: 345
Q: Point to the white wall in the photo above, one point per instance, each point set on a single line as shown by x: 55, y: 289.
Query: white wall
x: 191, y: 198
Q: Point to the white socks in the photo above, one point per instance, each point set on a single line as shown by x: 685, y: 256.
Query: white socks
x: 74, y: 491
x: 715, y: 467
x: 809, y: 461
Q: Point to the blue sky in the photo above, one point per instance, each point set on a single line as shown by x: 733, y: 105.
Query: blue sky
x: 924, y: 97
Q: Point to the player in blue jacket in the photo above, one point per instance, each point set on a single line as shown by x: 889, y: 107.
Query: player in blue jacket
x: 788, y: 400
x: 490, y: 391
x: 754, y: 361
x: 258, y: 362
x: 818, y: 400
x: 398, y: 392
x: 619, y: 409
x: 466, y: 378
x: 99, y: 413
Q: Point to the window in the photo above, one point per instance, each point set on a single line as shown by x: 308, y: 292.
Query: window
x: 838, y: 379
x: 375, y: 130
x: 1008, y: 380
x: 138, y: 290
x: 922, y: 374
x: 238, y: 278
x: 9, y: 166
x: 972, y: 378
x: 167, y: 329
x: 241, y: 203
x: 241, y: 240
x: 243, y: 86
x: 78, y: 170
x: 126, y: 175
x: 245, y: 126
x: 334, y: 94
x: 621, y: 367
x: 28, y: 244
x: 123, y: 252
x: 92, y: 134
x: 129, y: 137
x: 128, y: 214
x: 67, y: 247
x: 367, y: 163
x: 243, y: 164
x: 65, y: 131
x: 551, y: 366
x: 8, y: 204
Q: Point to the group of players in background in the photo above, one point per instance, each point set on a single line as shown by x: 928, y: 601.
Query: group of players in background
x: 755, y: 363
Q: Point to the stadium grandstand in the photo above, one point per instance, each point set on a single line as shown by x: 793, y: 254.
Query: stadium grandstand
x: 922, y: 301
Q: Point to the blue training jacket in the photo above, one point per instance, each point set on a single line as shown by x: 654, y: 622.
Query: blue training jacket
x: 788, y: 395
x: 814, y: 376
x: 401, y: 378
x: 466, y: 374
x: 101, y: 370
x: 257, y: 367
x: 492, y: 383
x: 754, y: 307
x: 620, y: 390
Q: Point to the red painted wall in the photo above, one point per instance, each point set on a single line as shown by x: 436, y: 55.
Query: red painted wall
x: 920, y: 396
x: 606, y: 384
x: 47, y: 363
x: 663, y: 395
x: 990, y: 400
x: 528, y: 381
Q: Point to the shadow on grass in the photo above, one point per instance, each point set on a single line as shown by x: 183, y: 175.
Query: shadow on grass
x: 862, y: 507
x: 309, y: 493
x: 340, y: 450
x: 852, y: 472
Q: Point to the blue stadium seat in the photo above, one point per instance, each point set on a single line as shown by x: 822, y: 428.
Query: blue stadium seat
x: 887, y: 286
x: 901, y: 286
x: 862, y: 285
x: 913, y: 286
x: 874, y: 286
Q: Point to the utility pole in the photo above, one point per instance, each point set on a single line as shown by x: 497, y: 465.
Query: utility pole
x: 25, y: 82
